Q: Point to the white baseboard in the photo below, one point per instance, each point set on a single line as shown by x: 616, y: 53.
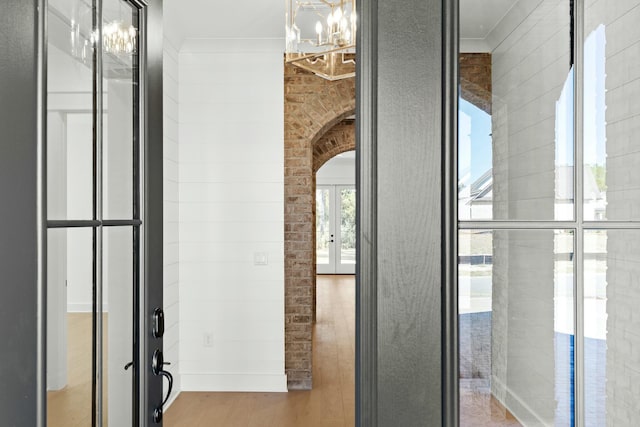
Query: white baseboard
x: 56, y: 381
x: 172, y: 398
x: 234, y: 382
x: 516, y: 406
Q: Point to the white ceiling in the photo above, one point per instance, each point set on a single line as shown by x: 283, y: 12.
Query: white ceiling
x: 247, y: 19
x: 479, y: 17
x: 264, y: 19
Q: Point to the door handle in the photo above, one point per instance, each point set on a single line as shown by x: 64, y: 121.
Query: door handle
x: 157, y: 367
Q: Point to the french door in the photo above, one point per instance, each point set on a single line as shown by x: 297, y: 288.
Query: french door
x: 95, y: 198
x: 335, y: 229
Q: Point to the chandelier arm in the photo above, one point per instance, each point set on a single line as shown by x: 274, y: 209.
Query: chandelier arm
x: 312, y: 55
x: 333, y: 47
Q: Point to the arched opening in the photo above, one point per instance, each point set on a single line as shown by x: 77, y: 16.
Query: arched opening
x: 314, y: 107
x: 336, y: 141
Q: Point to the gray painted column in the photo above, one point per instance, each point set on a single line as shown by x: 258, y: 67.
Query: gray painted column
x: 400, y: 273
x: 18, y: 213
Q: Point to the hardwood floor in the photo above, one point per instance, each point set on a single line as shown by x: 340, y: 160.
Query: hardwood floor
x: 71, y: 406
x: 331, y: 403
x: 478, y: 408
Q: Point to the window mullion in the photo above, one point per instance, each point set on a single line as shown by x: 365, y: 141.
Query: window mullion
x: 578, y: 72
x: 98, y: 108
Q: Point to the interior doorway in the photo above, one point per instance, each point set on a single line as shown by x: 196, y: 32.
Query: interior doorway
x: 335, y: 229
x: 335, y: 207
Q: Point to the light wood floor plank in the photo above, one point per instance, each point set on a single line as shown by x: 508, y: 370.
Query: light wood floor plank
x: 329, y: 404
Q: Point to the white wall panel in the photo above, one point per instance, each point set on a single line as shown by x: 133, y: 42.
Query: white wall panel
x: 243, y: 212
x: 338, y: 171
x: 232, y: 192
x: 231, y: 187
x: 171, y: 233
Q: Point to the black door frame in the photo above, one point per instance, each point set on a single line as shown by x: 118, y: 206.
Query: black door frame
x: 23, y: 211
x: 21, y: 215
x: 152, y: 296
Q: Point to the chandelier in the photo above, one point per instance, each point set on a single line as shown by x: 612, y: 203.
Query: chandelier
x: 119, y: 38
x: 320, y: 37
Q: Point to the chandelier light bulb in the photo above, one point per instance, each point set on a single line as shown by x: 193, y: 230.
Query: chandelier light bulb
x: 119, y: 38
x: 319, y: 32
x: 337, y: 15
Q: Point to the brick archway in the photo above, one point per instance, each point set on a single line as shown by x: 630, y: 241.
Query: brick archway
x: 313, y: 106
x: 337, y: 140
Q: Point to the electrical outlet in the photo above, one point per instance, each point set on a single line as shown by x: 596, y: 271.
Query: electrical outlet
x: 207, y: 339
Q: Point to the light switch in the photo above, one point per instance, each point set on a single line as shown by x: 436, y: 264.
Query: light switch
x: 260, y: 258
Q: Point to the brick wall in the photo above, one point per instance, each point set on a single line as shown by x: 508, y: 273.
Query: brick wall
x: 475, y: 79
x: 338, y: 139
x: 312, y: 107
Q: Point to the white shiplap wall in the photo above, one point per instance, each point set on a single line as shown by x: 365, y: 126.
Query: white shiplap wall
x: 530, y: 65
x: 171, y: 228
x: 231, y: 191
x: 619, y: 22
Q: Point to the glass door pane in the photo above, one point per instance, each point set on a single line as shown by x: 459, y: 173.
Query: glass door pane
x: 516, y: 327
x: 70, y: 321
x: 611, y: 110
x: 70, y: 148
x: 325, y: 240
x: 120, y: 131
x: 611, y: 327
x: 120, y: 280
x: 346, y: 242
x: 93, y: 174
x: 516, y: 165
x: 515, y: 154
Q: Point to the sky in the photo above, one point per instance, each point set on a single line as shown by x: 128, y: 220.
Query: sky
x: 474, y: 125
x: 474, y: 135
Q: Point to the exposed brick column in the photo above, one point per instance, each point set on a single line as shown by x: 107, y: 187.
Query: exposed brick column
x: 312, y: 106
x: 475, y: 79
